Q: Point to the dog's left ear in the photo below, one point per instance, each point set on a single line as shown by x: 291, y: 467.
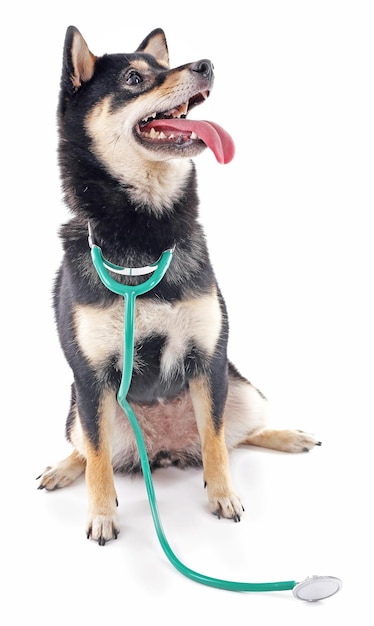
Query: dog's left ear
x: 155, y: 44
x: 78, y: 59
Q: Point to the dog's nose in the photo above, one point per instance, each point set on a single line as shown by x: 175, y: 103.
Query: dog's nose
x: 204, y: 67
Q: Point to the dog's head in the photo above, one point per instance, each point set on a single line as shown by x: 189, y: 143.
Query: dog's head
x: 131, y: 109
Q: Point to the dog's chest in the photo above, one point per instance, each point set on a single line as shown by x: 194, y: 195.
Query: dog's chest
x: 195, y: 322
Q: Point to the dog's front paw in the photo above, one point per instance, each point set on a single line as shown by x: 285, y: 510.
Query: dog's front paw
x: 225, y: 505
x: 102, y: 528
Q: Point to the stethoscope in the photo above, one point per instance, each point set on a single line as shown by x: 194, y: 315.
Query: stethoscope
x: 311, y: 589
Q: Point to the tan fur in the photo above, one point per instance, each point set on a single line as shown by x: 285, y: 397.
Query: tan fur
x: 222, y: 499
x: 100, y: 331
x: 173, y: 425
x: 157, y: 48
x: 283, y: 440
x: 97, y: 463
x: 83, y: 61
x: 186, y: 425
x: 64, y: 472
x: 102, y: 517
x: 150, y: 181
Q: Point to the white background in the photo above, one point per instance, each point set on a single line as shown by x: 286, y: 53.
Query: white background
x: 289, y: 225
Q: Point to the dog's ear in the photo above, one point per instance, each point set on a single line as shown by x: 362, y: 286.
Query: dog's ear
x: 79, y: 62
x: 155, y: 44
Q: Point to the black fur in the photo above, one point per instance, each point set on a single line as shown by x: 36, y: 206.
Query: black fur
x: 124, y: 155
x: 129, y: 235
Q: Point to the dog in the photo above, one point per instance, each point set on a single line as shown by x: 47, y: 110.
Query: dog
x: 126, y: 149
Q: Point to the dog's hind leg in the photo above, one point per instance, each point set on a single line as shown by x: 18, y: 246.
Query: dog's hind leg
x: 283, y: 440
x: 246, y: 421
x: 63, y: 473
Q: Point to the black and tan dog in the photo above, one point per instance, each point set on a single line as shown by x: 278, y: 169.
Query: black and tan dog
x: 125, y: 156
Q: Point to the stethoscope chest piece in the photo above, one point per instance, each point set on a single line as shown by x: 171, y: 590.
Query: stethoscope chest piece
x: 317, y: 588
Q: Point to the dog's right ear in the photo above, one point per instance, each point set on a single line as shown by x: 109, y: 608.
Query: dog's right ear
x: 78, y: 62
x: 155, y: 44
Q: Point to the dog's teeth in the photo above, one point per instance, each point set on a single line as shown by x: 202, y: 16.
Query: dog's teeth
x: 193, y: 135
x: 149, y: 118
x: 162, y: 135
x: 180, y: 111
x: 153, y: 134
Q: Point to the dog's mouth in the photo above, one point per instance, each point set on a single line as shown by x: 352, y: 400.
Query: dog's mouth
x: 172, y: 129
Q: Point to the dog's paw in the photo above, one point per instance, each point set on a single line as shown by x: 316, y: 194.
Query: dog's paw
x: 283, y: 440
x: 225, y: 505
x: 62, y: 474
x: 298, y: 441
x: 102, y: 528
x: 51, y: 479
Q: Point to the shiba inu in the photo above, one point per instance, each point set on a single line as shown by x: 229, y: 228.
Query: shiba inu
x: 125, y: 153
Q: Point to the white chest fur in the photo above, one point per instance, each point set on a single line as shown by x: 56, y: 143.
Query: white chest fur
x: 198, y: 321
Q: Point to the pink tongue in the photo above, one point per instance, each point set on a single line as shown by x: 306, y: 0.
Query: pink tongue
x: 217, y: 139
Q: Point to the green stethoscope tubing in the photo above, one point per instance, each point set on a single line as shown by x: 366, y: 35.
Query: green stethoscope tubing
x: 129, y: 294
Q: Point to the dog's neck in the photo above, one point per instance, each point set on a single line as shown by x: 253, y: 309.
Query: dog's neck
x: 156, y: 186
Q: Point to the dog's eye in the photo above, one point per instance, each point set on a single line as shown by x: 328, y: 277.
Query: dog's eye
x: 133, y: 78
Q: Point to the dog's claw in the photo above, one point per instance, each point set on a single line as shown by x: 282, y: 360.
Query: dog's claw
x: 236, y: 517
x: 102, y: 530
x: 228, y: 507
